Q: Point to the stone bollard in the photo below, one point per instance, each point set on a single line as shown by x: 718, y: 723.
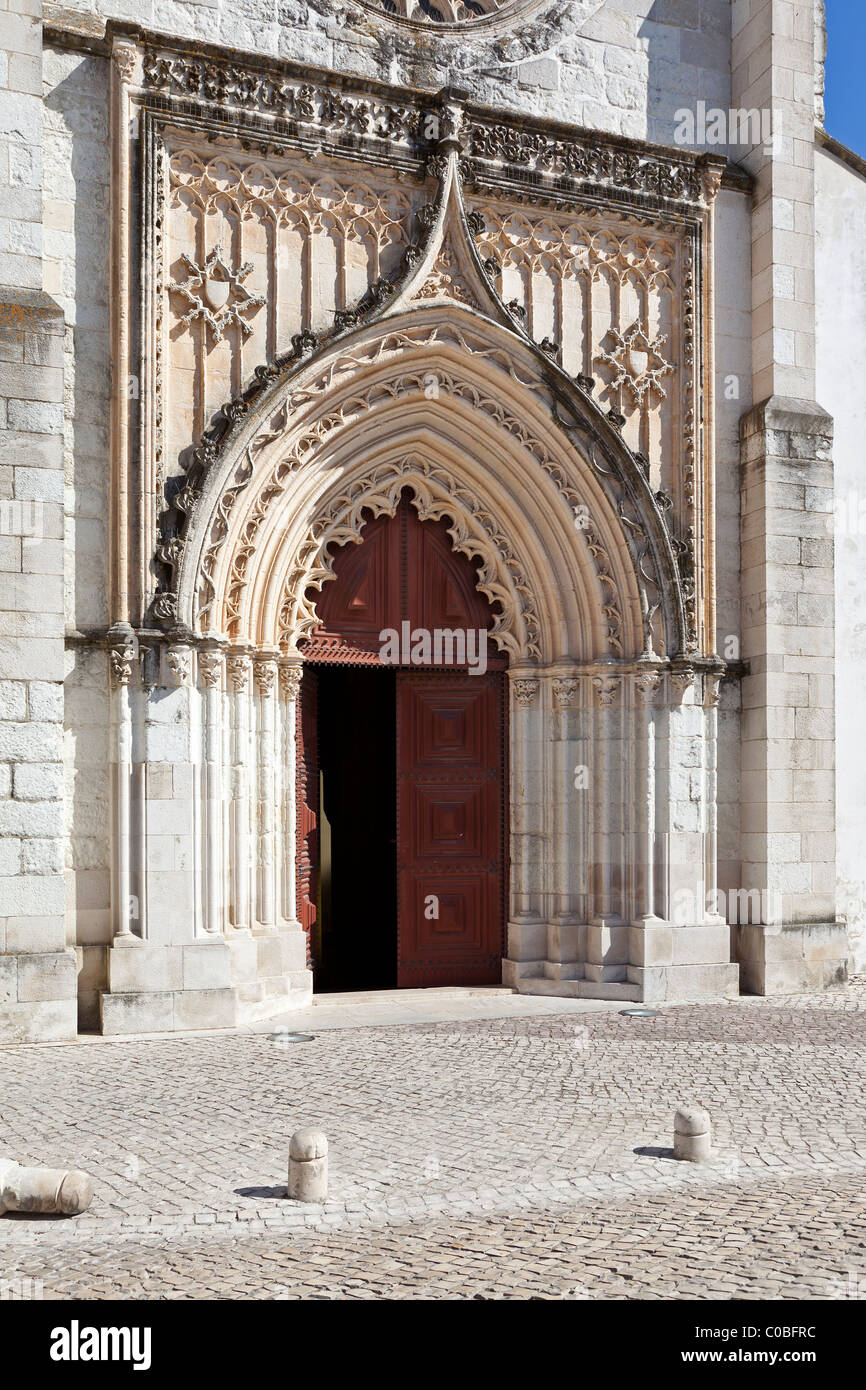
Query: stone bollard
x: 61, y: 1191
x: 308, y: 1166
x: 692, y: 1134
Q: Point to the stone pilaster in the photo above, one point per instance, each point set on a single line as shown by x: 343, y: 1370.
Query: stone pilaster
x: 788, y: 738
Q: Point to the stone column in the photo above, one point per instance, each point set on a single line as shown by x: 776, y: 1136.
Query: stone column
x: 567, y: 807
x: 643, y: 800
x: 210, y: 669
x: 239, y: 669
x: 527, y: 931
x: 123, y: 657
x: 265, y: 678
x: 607, y: 934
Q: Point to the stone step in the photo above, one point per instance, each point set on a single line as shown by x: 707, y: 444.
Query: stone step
x: 580, y: 989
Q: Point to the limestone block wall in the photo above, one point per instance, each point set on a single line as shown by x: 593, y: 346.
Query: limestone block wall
x: 75, y: 271
x: 840, y: 267
x: 37, y: 972
x: 623, y: 66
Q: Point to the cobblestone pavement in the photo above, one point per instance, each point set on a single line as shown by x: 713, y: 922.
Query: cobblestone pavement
x: 464, y: 1156
x: 794, y: 1242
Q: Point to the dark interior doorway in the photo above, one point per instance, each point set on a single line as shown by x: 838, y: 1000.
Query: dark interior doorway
x: 357, y: 907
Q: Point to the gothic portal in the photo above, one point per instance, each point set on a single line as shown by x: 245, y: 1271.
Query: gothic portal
x: 448, y: 590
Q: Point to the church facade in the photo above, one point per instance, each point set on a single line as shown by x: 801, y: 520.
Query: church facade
x: 425, y: 559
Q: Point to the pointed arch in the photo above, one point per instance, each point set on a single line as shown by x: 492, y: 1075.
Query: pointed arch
x: 439, y: 371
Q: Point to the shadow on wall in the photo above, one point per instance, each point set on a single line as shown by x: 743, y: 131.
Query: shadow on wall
x: 688, y: 47
x: 76, y: 274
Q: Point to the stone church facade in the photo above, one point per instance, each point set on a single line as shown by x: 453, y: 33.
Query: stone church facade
x: 326, y: 320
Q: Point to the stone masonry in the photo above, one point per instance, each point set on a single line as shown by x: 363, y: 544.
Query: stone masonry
x: 37, y: 971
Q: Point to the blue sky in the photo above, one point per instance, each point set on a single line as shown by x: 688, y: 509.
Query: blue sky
x: 846, y: 64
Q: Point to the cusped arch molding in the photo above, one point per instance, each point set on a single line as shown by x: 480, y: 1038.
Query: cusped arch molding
x: 492, y: 421
x: 473, y: 532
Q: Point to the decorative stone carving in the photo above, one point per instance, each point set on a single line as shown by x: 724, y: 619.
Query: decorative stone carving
x: 178, y: 663
x: 210, y: 668
x: 122, y: 658
x: 587, y: 159
x: 712, y: 691
x: 606, y: 688
x: 290, y: 682
x: 124, y: 57
x: 238, y: 669
x: 564, y: 691
x: 516, y: 628
x: 636, y: 362
x: 525, y: 691
x: 265, y: 676
x: 646, y: 684
x: 444, y: 11
x: 681, y: 683
x: 216, y: 295
x: 446, y: 281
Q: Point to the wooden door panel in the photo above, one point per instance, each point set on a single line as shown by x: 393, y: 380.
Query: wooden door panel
x: 447, y: 822
x: 450, y: 856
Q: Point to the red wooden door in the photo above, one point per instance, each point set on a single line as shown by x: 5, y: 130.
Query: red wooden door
x: 450, y: 857
x: 449, y: 749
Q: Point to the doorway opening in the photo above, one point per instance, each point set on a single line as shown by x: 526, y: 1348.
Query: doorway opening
x: 402, y: 768
x: 357, y: 890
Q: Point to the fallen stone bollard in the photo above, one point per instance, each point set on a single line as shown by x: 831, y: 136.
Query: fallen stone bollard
x: 61, y: 1191
x: 308, y: 1166
x: 692, y: 1134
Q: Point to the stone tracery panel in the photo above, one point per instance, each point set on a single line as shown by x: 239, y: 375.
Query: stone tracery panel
x: 256, y: 251
x: 608, y: 292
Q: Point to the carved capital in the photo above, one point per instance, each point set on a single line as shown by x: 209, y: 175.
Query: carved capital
x: 681, y: 683
x: 178, y: 663
x: 711, y: 180
x: 525, y: 691
x: 122, y: 657
x: 290, y: 681
x: 606, y: 689
x: 451, y: 121
x: 564, y: 691
x: 124, y: 55
x: 238, y: 669
x: 646, y: 684
x: 712, y: 691
x: 265, y: 676
x: 210, y: 669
